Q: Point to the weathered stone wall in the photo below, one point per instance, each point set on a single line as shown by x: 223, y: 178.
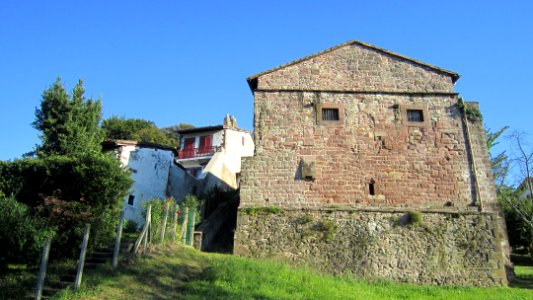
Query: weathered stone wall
x: 357, y: 68
x: 416, y: 166
x: 442, y: 248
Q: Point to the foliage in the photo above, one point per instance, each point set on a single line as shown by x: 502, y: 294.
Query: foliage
x: 22, y: 235
x: 512, y: 204
x: 471, y: 110
x: 157, y: 212
x: 154, y: 135
x: 266, y: 210
x: 328, y: 227
x: 130, y: 226
x: 172, y: 131
x: 175, y: 272
x: 69, y: 191
x: 414, y: 218
x: 68, y: 123
x: 499, y: 162
x: 307, y: 218
x: 120, y: 128
x: 194, y: 203
x: 517, y: 208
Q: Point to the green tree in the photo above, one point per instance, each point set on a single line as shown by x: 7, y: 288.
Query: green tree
x: 70, y: 182
x: 172, y: 131
x: 69, y: 124
x: 154, y: 135
x: 120, y: 128
x: 500, y: 161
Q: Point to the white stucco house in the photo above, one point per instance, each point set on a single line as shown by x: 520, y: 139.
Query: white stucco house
x: 214, y: 153
x: 207, y: 156
x: 150, y: 166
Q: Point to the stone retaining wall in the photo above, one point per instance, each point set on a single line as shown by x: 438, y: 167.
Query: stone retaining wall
x: 459, y: 248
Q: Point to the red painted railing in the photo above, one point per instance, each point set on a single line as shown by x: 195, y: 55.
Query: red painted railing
x: 196, y: 152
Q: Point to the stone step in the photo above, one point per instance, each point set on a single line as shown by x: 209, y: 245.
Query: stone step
x: 50, y: 291
x: 96, y: 260
x: 59, y: 284
x: 68, y: 277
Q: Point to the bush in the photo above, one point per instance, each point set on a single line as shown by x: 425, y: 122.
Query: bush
x: 22, y: 235
x: 158, y: 209
x: 68, y: 192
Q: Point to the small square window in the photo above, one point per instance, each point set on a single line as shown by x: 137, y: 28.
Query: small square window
x: 415, y: 115
x: 330, y: 114
x: 131, y: 199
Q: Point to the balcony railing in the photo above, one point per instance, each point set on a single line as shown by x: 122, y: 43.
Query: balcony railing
x: 196, y: 152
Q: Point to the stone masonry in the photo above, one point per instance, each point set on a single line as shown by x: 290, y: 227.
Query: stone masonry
x: 358, y: 137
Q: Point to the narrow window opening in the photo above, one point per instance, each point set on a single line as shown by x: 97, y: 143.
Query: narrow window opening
x: 415, y: 115
x: 371, y: 187
x: 131, y: 199
x: 330, y: 114
x: 243, y: 140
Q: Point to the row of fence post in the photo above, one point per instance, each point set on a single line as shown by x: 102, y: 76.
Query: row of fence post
x: 186, y: 233
x: 44, y: 263
x: 187, y: 237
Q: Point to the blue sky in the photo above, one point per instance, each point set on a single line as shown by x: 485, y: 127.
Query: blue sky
x: 186, y: 61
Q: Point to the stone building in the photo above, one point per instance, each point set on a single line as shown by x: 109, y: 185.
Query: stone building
x: 368, y: 163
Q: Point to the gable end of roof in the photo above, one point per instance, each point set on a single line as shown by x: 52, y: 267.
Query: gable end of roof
x: 252, y: 80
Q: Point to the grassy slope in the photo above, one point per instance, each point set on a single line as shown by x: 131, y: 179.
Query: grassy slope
x: 182, y: 273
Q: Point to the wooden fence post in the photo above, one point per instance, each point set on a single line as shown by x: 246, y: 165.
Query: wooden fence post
x: 183, y: 234
x: 147, y: 237
x: 164, y: 224
x: 117, y: 239
x: 81, y: 261
x: 190, y: 227
x: 42, y: 270
x: 174, y: 222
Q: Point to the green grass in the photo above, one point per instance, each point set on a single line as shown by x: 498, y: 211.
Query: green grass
x: 175, y: 272
x: 17, y: 280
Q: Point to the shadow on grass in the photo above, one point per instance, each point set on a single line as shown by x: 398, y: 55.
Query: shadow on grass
x: 17, y: 281
x: 524, y: 280
x: 159, y: 275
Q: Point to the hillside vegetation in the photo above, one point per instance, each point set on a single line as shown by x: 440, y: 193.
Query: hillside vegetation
x: 177, y: 272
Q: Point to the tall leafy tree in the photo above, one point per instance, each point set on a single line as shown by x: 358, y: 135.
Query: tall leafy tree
x: 69, y: 123
x: 120, y: 128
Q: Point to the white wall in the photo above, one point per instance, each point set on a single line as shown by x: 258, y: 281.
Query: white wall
x: 235, y: 149
x: 149, y: 171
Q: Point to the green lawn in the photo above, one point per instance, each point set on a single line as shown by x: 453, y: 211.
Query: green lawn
x: 175, y: 272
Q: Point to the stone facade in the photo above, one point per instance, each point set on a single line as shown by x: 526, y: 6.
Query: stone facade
x: 372, y: 156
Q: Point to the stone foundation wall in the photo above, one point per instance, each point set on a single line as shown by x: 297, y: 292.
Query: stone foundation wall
x: 459, y: 248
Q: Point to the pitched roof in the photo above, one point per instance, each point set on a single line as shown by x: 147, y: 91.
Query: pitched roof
x: 200, y: 129
x: 112, y: 144
x: 454, y: 75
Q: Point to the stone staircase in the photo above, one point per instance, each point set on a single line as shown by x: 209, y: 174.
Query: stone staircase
x: 97, y: 258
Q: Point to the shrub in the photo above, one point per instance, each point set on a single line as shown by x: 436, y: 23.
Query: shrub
x: 68, y: 192
x: 157, y: 212
x: 22, y: 235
